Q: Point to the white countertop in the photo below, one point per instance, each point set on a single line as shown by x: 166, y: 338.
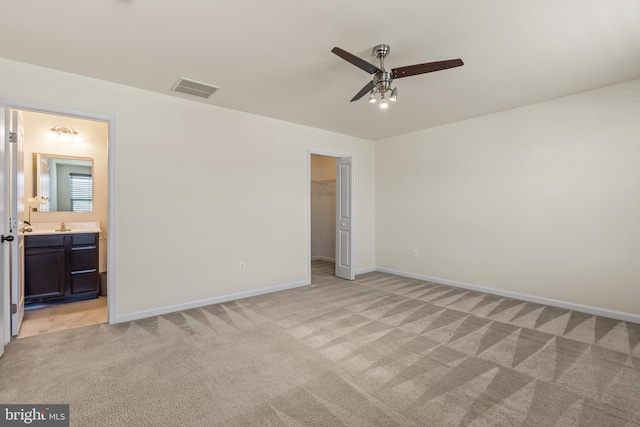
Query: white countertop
x: 41, y: 228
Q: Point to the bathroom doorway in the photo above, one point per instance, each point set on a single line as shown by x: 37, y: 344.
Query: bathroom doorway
x: 65, y: 181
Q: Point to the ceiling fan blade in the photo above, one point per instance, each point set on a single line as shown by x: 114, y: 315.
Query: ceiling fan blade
x: 363, y: 91
x: 360, y: 63
x: 428, y: 67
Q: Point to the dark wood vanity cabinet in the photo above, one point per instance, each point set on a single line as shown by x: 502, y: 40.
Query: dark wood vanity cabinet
x: 61, y: 267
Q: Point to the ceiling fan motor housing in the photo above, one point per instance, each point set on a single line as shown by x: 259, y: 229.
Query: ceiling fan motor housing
x: 382, y: 81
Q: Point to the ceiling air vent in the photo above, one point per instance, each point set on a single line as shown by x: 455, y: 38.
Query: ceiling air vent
x: 194, y: 88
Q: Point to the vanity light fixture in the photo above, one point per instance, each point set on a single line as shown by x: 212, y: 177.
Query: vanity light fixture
x: 64, y: 133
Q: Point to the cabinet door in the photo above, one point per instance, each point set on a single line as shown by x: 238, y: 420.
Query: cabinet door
x: 44, y: 273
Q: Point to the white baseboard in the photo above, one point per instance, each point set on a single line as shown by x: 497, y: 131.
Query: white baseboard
x: 200, y: 303
x: 322, y: 258
x: 628, y: 317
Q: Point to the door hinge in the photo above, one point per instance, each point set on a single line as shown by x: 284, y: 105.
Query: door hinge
x: 13, y: 137
x: 14, y: 308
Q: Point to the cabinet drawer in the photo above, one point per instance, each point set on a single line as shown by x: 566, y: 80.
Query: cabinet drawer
x: 84, y: 258
x: 43, y: 241
x: 84, y: 239
x: 84, y: 281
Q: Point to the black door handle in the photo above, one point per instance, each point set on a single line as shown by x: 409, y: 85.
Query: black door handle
x: 9, y: 238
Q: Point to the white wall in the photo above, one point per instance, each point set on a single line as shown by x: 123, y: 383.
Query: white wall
x: 200, y: 188
x: 323, y: 207
x: 542, y: 200
x: 93, y: 144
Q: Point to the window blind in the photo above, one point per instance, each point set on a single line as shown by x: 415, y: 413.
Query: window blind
x: 81, y: 192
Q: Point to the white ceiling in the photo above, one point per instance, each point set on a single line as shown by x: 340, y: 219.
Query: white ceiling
x: 273, y: 57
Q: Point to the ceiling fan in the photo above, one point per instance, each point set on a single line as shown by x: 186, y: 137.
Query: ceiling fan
x: 382, y: 79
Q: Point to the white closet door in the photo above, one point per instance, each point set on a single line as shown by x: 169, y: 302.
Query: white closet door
x: 344, y: 218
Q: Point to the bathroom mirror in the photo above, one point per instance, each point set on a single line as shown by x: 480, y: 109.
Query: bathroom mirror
x: 66, y: 182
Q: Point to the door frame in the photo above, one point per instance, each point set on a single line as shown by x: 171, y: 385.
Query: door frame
x: 5, y: 261
x: 16, y: 150
x: 18, y: 104
x: 336, y: 155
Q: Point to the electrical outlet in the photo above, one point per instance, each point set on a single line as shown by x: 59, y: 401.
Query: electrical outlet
x: 242, y: 265
x: 415, y: 253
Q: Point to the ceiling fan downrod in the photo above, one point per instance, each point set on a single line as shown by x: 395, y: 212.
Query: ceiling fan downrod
x: 382, y: 79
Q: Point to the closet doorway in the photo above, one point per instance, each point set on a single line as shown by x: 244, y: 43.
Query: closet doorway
x: 331, y: 197
x: 323, y: 210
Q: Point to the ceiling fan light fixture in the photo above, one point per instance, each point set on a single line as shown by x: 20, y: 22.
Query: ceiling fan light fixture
x: 394, y: 95
x: 383, y: 103
x: 372, y: 98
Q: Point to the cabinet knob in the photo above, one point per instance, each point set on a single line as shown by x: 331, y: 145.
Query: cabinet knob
x: 8, y: 238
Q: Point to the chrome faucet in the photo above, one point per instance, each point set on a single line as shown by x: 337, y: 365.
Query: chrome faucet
x: 63, y: 227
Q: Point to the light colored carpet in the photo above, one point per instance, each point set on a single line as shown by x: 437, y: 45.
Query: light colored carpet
x: 380, y: 351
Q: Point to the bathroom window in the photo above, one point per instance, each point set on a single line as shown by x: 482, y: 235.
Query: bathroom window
x: 81, y: 192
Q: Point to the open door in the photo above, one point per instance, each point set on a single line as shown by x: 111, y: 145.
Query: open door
x: 344, y: 218
x: 4, y: 229
x: 16, y: 221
